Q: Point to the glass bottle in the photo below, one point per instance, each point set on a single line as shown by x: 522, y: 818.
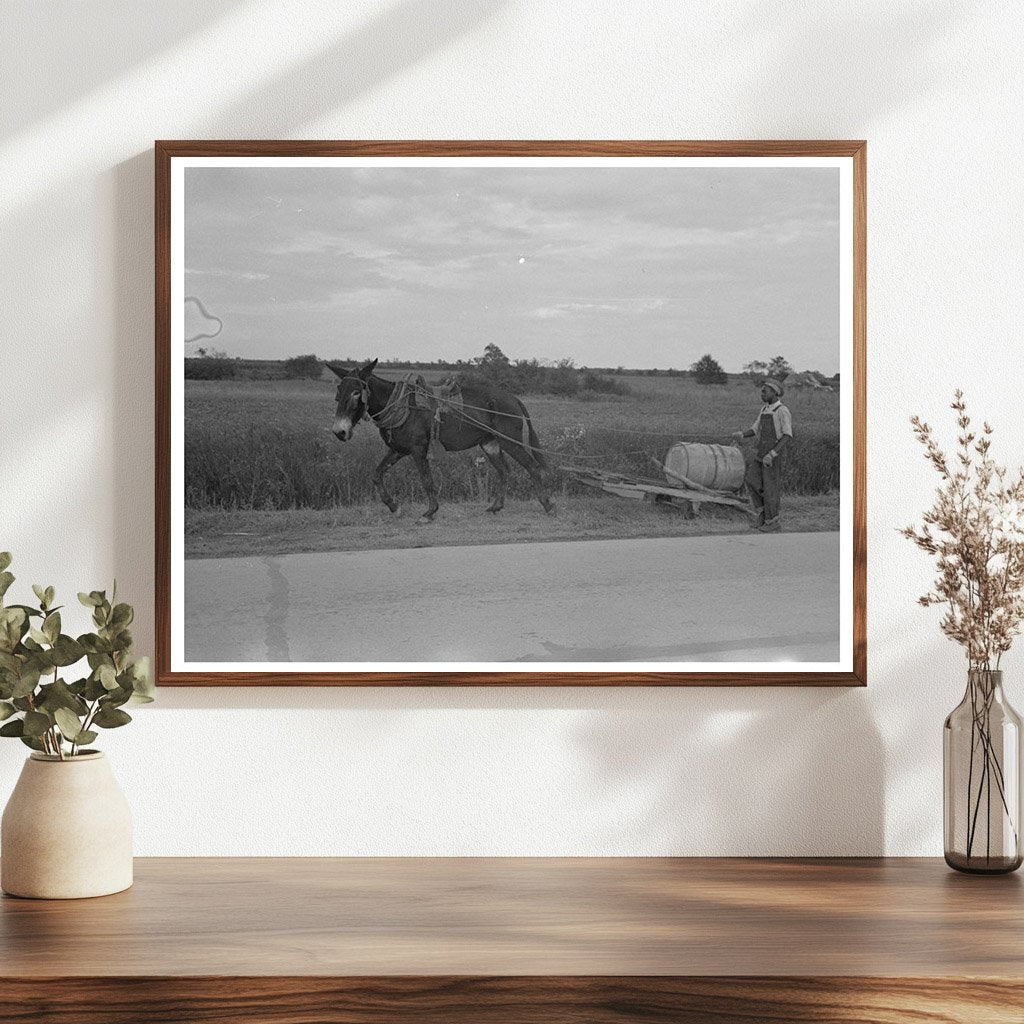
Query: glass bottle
x: 981, y: 775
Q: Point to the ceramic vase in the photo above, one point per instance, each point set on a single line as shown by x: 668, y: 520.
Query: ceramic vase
x: 66, y: 831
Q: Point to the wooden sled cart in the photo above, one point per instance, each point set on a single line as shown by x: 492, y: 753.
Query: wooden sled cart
x: 693, y: 474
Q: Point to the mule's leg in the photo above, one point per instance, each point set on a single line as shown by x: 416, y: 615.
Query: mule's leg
x: 378, y: 478
x: 533, y: 467
x: 492, y: 449
x: 419, y: 456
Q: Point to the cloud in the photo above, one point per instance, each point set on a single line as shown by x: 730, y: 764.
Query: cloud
x: 621, y: 264
x: 240, y: 275
x: 625, y: 305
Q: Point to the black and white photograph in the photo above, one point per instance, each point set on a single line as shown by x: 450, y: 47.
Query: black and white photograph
x: 527, y: 417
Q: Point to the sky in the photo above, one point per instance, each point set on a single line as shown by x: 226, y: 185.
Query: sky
x: 607, y: 266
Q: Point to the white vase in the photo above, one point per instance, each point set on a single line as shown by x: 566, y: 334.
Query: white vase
x: 66, y: 831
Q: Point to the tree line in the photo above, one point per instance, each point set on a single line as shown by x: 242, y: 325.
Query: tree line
x: 493, y: 366
x: 707, y: 370
x: 520, y: 376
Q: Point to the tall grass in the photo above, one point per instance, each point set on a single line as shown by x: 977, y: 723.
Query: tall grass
x: 266, y: 444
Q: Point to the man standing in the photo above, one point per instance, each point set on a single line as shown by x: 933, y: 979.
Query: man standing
x: 773, y: 429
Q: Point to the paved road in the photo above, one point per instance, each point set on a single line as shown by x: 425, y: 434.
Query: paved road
x: 696, y: 599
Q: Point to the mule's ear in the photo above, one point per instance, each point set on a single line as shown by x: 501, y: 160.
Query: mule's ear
x: 368, y: 369
x: 337, y: 369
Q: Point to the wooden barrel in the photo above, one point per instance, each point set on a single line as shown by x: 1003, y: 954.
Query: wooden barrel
x: 717, y: 466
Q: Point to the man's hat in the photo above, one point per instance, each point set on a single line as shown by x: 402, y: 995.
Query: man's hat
x: 771, y: 382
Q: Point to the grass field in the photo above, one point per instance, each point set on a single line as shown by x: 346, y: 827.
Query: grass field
x: 266, y: 445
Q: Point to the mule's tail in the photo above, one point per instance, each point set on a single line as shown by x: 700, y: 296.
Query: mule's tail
x: 531, y: 442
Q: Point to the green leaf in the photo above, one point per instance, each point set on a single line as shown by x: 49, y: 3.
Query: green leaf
x: 115, y: 698
x: 67, y: 651
x: 13, y: 625
x: 86, y: 736
x: 31, y: 741
x: 27, y: 682
x: 122, y: 616
x: 28, y: 610
x: 89, y: 600
x: 38, y: 635
x: 5, y: 559
x: 107, y: 718
x: 9, y: 662
x: 40, y: 593
x: 142, y: 681
x: 107, y: 676
x: 94, y: 689
x: 14, y: 728
x: 6, y: 710
x: 59, y: 695
x: 51, y: 626
x: 50, y: 595
x: 6, y: 579
x: 36, y: 723
x: 97, y: 646
x: 69, y: 724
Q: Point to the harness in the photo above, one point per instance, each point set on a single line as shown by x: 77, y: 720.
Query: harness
x: 443, y: 400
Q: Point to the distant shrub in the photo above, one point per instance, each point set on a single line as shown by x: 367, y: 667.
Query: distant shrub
x: 779, y: 368
x: 529, y: 377
x: 303, y: 366
x: 563, y: 379
x: 209, y: 368
x: 707, y: 370
x: 591, y: 381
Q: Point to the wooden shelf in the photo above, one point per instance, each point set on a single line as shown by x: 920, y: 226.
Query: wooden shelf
x: 506, y: 940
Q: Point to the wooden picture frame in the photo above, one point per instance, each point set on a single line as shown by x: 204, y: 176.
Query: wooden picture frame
x: 774, y: 230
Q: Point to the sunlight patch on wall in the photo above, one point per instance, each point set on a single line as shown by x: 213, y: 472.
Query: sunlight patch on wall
x: 174, y: 85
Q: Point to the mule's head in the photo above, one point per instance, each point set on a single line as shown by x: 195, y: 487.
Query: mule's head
x: 352, y: 399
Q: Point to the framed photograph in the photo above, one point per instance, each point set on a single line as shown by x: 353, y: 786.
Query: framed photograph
x: 510, y: 413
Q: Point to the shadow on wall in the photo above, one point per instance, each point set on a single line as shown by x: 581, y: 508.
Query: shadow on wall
x: 738, y: 772
x: 133, y: 374
x: 382, y: 47
x: 692, y: 771
x: 395, y: 39
x: 811, y: 58
x: 49, y: 46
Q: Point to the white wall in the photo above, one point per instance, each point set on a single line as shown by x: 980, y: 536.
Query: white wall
x: 936, y: 88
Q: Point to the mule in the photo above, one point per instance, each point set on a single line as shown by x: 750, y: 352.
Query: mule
x: 409, y: 415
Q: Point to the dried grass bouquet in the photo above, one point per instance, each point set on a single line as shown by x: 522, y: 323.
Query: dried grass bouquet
x: 976, y: 531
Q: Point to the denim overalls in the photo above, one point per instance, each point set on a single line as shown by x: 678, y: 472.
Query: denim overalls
x: 763, y: 481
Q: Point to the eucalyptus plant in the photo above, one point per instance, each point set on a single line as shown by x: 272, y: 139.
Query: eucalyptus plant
x: 37, y: 704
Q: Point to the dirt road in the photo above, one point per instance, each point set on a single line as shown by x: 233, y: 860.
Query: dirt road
x: 770, y: 598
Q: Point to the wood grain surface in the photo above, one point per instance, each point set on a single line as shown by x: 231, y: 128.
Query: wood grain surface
x: 166, y: 150
x: 517, y: 1000
x: 523, y: 939
x: 531, y: 916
